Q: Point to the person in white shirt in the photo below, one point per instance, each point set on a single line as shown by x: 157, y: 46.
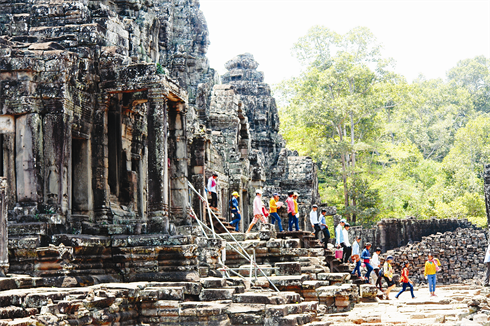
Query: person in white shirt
x: 376, y: 265
x: 258, y: 210
x: 355, y: 252
x: 347, y: 245
x: 487, y: 263
x: 212, y: 189
x: 339, y: 234
x: 315, y: 221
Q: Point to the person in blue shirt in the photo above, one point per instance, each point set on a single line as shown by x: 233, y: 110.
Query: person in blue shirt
x: 355, y: 257
x: 235, y: 211
x: 324, y: 227
x: 366, y: 258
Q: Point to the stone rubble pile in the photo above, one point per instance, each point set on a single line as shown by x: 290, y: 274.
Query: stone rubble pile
x: 461, y: 254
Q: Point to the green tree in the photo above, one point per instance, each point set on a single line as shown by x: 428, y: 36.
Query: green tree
x: 474, y: 75
x: 338, y: 94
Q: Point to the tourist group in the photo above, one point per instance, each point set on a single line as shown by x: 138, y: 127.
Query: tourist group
x: 382, y: 270
x: 346, y: 252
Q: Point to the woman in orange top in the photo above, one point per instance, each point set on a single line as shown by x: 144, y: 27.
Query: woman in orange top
x: 405, y: 281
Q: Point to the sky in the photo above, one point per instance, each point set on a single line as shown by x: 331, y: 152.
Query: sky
x: 424, y: 37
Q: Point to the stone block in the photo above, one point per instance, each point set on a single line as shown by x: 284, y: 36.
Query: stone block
x: 368, y: 291
x: 216, y: 294
x: 213, y: 282
x: 288, y: 268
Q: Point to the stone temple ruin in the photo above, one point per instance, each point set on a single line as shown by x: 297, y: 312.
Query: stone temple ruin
x: 109, y: 112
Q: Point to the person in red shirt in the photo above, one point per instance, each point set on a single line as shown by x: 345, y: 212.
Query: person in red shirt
x: 405, y: 281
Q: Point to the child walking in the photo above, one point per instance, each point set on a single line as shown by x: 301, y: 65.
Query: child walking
x: 431, y: 268
x: 405, y: 281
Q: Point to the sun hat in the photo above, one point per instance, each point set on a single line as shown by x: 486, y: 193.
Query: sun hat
x: 258, y: 191
x: 235, y: 194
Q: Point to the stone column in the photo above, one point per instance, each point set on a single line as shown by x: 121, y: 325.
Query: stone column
x: 7, y: 131
x: 29, y: 158
x: 198, y: 158
x: 4, y: 252
x: 56, y: 160
x: 157, y: 162
x: 178, y: 162
x: 100, y: 162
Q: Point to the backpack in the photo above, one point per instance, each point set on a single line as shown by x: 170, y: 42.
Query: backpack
x: 382, y: 271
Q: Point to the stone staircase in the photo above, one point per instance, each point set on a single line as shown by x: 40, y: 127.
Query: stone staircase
x: 218, y: 228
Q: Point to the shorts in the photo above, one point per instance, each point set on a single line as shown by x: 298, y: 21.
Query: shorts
x: 390, y: 283
x: 257, y: 217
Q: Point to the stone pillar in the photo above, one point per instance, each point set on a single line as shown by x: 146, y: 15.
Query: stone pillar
x: 29, y: 158
x: 4, y: 252
x: 486, y: 187
x: 198, y: 159
x: 7, y: 131
x: 178, y: 162
x: 157, y: 162
x: 56, y: 159
x: 100, y: 162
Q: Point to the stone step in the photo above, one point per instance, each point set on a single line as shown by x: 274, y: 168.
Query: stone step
x: 33, y: 228
x: 162, y: 293
x: 259, y: 298
x: 213, y: 282
x: 11, y: 312
x: 293, y: 320
x: 217, y: 294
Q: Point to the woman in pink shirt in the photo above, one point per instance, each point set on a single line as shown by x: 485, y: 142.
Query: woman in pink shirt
x: 258, y: 214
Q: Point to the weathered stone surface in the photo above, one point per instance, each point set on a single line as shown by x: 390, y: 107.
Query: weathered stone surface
x: 289, y: 268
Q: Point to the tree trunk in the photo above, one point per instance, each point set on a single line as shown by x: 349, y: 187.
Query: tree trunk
x: 353, y: 162
x: 344, y: 171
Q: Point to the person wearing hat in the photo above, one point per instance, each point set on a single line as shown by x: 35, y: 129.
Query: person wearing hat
x: 324, y: 227
x: 273, y: 211
x: 212, y: 189
x: 258, y: 213
x: 375, y: 263
x: 388, y: 275
x: 235, y: 210
x: 315, y: 221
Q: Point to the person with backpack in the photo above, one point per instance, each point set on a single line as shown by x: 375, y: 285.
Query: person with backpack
x: 387, y: 271
x: 235, y: 210
x: 273, y: 211
x: 431, y: 268
x: 405, y: 281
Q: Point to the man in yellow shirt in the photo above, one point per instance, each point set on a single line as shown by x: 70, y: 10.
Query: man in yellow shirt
x: 273, y: 211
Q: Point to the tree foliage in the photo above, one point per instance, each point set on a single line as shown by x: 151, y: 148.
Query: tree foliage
x: 385, y: 147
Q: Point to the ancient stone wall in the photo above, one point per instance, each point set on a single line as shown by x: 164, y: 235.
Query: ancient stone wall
x: 461, y: 253
x: 392, y: 233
